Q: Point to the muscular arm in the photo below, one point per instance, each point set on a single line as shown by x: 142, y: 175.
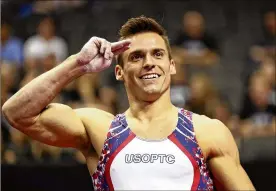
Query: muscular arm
x: 30, y: 111
x: 224, y: 160
x: 55, y: 124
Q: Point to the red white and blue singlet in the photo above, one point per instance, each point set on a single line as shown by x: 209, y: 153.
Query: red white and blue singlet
x: 128, y: 162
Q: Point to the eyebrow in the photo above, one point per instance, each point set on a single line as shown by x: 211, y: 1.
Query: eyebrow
x: 136, y: 52
x: 159, y: 49
x: 143, y: 50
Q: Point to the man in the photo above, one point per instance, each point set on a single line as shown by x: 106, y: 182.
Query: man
x: 193, y: 45
x: 45, y: 42
x: 258, y: 115
x: 264, y: 49
x: 152, y: 146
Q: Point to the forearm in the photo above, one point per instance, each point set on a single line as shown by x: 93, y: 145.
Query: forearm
x: 30, y: 100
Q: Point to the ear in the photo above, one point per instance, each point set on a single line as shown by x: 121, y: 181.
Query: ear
x: 172, y: 67
x: 119, y: 73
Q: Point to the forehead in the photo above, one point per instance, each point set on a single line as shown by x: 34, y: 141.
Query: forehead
x: 145, y: 41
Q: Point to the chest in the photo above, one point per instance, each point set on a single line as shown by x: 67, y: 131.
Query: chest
x: 161, y: 162
x: 155, y: 130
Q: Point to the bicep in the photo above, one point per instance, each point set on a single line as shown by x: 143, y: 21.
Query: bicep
x: 225, y: 162
x: 58, y: 125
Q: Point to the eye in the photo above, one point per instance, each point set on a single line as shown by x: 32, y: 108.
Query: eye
x: 135, y: 57
x: 158, y: 54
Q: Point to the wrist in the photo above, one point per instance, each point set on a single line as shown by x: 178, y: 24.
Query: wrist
x: 74, y: 69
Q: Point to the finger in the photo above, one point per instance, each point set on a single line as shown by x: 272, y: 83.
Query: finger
x: 111, y: 55
x: 85, y: 55
x: 106, y: 64
x: 121, y: 50
x: 120, y: 44
x: 99, y: 65
x: 107, y: 51
x: 94, y: 65
x: 103, y: 46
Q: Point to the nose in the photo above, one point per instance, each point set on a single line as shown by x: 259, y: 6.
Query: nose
x: 148, y: 62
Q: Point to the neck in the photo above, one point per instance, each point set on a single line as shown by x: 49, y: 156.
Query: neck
x: 148, y: 111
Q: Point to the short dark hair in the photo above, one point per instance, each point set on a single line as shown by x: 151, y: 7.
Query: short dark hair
x: 139, y: 25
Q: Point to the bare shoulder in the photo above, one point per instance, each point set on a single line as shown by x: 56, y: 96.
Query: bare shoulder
x: 96, y: 123
x: 93, y: 117
x: 204, y: 123
x: 213, y: 135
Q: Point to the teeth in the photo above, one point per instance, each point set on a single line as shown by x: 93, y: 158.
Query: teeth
x: 150, y: 76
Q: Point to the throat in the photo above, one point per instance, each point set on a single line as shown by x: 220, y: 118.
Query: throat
x: 146, y: 111
x: 156, y: 129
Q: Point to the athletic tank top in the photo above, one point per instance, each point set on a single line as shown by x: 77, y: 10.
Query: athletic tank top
x: 128, y: 162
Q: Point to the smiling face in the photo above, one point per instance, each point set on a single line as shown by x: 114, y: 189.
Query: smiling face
x: 147, y: 69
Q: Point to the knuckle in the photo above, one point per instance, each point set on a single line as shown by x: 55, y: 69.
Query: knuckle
x: 94, y: 38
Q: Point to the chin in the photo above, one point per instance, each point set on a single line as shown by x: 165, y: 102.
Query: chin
x: 152, y: 90
x: 151, y: 94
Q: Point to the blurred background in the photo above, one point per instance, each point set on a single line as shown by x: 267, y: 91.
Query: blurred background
x: 225, y: 56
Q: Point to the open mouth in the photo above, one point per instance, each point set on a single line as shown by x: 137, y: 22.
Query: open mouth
x: 150, y: 76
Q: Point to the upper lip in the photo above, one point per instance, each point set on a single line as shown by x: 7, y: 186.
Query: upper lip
x: 149, y: 74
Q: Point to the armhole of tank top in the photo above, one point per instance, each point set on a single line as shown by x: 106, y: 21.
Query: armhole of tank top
x: 190, y: 115
x: 119, y: 118
x: 105, y: 141
x: 200, y: 150
x: 116, y: 117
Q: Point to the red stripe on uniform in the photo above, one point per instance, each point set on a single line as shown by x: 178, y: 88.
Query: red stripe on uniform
x: 109, y: 162
x: 196, y: 179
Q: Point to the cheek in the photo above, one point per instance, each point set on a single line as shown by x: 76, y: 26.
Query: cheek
x: 129, y: 75
x: 166, y: 65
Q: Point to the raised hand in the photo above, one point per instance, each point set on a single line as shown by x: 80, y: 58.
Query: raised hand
x: 97, y: 54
